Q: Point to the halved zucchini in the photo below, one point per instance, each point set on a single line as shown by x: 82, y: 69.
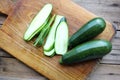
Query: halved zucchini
x: 49, y: 45
x: 40, y: 40
x: 61, y: 40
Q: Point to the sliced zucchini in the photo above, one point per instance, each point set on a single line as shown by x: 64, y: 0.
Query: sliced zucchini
x: 38, y: 22
x: 40, y: 40
x: 49, y: 45
x: 50, y: 53
x: 61, y: 40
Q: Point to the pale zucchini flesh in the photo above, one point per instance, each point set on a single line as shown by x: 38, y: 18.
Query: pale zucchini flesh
x: 44, y: 32
x: 38, y: 22
x: 61, y: 40
x: 37, y: 31
x: 49, y: 44
x: 50, y: 53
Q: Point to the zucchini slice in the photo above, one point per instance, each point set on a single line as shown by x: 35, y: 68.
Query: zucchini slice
x: 49, y: 45
x: 50, y: 53
x: 40, y: 40
x: 61, y: 40
x: 38, y: 22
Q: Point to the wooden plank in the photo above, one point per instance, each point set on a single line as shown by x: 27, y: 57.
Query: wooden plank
x: 13, y: 69
x: 105, y: 72
x: 97, y: 1
x: 115, y: 41
x: 114, y: 56
x: 117, y: 24
x: 117, y: 35
x: 104, y: 9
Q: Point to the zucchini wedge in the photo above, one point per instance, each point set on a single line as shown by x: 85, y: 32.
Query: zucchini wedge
x: 38, y: 22
x: 50, y: 53
x: 40, y: 40
x: 49, y: 44
x: 61, y: 39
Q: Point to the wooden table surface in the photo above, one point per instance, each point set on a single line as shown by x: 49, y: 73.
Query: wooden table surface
x: 107, y: 69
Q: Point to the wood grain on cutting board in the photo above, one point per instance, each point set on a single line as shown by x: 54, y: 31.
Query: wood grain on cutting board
x: 6, y: 6
x: 16, y: 24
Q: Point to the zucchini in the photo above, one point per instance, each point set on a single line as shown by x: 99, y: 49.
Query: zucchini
x: 87, y: 51
x: 40, y: 40
x: 88, y: 31
x: 61, y: 39
x: 50, y: 53
x: 38, y: 22
x: 49, y: 44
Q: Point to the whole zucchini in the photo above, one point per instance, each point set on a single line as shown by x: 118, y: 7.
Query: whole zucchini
x: 87, y: 51
x: 88, y: 31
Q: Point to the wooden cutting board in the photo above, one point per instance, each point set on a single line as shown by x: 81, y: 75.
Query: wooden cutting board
x: 6, y: 6
x: 11, y: 38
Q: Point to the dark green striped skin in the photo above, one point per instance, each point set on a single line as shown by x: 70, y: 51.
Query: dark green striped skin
x: 88, y: 31
x: 90, y: 50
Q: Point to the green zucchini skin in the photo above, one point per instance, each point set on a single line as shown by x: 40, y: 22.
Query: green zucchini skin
x: 88, y: 31
x: 90, y: 50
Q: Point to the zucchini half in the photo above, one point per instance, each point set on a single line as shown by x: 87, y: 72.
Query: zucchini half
x: 38, y: 22
x: 61, y: 40
x: 49, y: 44
x: 50, y: 41
x: 44, y: 32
